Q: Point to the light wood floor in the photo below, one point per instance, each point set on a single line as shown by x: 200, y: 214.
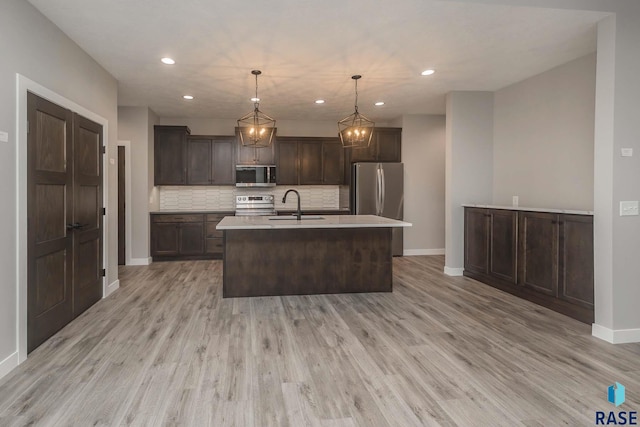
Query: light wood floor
x: 166, y: 349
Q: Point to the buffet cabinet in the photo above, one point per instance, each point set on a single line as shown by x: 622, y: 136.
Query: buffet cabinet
x: 186, y: 236
x: 544, y: 257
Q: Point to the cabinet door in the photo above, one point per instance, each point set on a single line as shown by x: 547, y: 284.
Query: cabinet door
x: 576, y: 260
x: 191, y: 238
x: 223, y: 162
x: 310, y: 157
x: 538, y: 257
x: 367, y: 154
x: 248, y: 155
x: 165, y: 239
x: 332, y: 163
x: 170, y: 155
x: 502, y: 244
x: 198, y: 161
x: 287, y: 161
x: 388, y: 143
x: 476, y: 240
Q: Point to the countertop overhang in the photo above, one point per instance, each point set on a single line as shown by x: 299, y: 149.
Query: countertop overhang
x: 328, y: 221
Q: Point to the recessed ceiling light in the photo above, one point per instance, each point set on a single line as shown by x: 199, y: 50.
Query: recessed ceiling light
x: 319, y: 101
x: 188, y: 96
x: 428, y: 72
x: 255, y: 99
x: 379, y: 103
x: 168, y: 61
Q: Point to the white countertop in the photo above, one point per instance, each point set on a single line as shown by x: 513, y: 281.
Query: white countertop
x: 522, y: 208
x: 328, y: 221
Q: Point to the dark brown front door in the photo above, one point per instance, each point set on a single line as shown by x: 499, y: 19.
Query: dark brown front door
x: 64, y: 205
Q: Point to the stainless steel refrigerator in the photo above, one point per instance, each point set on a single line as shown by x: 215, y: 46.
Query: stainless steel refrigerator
x: 377, y: 189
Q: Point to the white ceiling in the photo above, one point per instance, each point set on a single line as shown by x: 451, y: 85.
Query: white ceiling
x: 309, y: 49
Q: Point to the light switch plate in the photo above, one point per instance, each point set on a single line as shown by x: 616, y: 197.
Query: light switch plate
x: 626, y: 152
x: 514, y: 201
x: 629, y: 208
x: 4, y: 136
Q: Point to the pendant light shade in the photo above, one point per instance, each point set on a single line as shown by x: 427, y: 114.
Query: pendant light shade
x: 355, y: 131
x: 256, y: 129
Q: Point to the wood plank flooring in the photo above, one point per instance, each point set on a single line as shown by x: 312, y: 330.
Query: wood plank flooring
x: 167, y: 350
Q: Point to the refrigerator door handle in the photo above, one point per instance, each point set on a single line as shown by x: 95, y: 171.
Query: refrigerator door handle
x: 382, y: 191
x: 377, y: 191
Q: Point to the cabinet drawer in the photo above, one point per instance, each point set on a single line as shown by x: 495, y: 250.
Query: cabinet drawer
x: 218, y: 217
x: 212, y: 232
x: 214, y: 246
x: 177, y: 218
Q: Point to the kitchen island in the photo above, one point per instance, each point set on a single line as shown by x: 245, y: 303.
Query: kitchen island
x: 315, y: 255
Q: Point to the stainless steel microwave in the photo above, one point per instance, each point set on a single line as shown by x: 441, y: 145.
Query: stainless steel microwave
x: 255, y: 176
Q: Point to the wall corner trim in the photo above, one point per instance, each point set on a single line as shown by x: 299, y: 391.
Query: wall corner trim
x: 114, y: 286
x: 414, y: 252
x: 453, y: 271
x: 8, y: 364
x: 615, y: 336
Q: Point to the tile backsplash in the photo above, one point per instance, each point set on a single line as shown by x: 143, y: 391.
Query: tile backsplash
x: 223, y: 197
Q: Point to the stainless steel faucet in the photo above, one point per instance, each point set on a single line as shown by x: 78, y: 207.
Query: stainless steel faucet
x: 284, y: 200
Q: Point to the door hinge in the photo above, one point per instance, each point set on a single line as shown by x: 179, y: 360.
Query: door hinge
x: 104, y: 211
x: 103, y: 272
x: 104, y: 149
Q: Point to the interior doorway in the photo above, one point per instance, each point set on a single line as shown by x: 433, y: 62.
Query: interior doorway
x: 65, y: 216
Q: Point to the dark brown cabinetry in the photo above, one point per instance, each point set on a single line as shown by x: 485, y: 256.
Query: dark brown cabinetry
x: 248, y: 155
x: 386, y: 146
x: 308, y: 161
x: 170, y: 155
x: 544, y: 257
x: 210, y: 160
x: 186, y: 236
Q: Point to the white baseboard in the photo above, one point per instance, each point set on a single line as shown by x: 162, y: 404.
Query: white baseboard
x: 140, y: 261
x: 613, y: 336
x: 8, y: 364
x: 112, y: 288
x: 453, y: 271
x: 414, y: 252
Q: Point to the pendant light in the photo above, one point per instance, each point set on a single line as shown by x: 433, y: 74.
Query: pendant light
x: 355, y: 130
x: 256, y: 129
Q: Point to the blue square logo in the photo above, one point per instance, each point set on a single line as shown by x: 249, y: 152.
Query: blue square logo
x: 615, y: 394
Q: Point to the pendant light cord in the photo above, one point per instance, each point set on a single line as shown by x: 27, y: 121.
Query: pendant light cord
x: 257, y: 102
x: 356, y: 95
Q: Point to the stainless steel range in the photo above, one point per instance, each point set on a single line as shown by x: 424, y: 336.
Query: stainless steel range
x: 255, y: 204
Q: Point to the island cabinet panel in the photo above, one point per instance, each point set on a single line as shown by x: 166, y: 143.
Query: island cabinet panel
x: 306, y: 261
x: 170, y: 155
x: 544, y: 257
x: 186, y: 236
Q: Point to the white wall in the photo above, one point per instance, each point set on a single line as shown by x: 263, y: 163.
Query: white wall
x: 33, y: 47
x: 543, y: 138
x: 469, y: 166
x: 136, y: 125
x: 423, y: 155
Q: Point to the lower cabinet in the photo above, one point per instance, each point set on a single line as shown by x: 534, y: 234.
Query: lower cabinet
x: 186, y: 236
x: 544, y: 257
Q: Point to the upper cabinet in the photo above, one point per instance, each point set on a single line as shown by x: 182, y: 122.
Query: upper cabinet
x: 170, y: 155
x: 386, y: 146
x: 310, y: 161
x: 248, y: 155
x: 210, y: 160
x: 181, y: 159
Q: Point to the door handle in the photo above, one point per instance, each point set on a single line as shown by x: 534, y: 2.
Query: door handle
x: 382, y: 191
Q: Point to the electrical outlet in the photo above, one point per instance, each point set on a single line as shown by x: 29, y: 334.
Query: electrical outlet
x: 629, y: 208
x: 514, y: 201
x: 4, y: 136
